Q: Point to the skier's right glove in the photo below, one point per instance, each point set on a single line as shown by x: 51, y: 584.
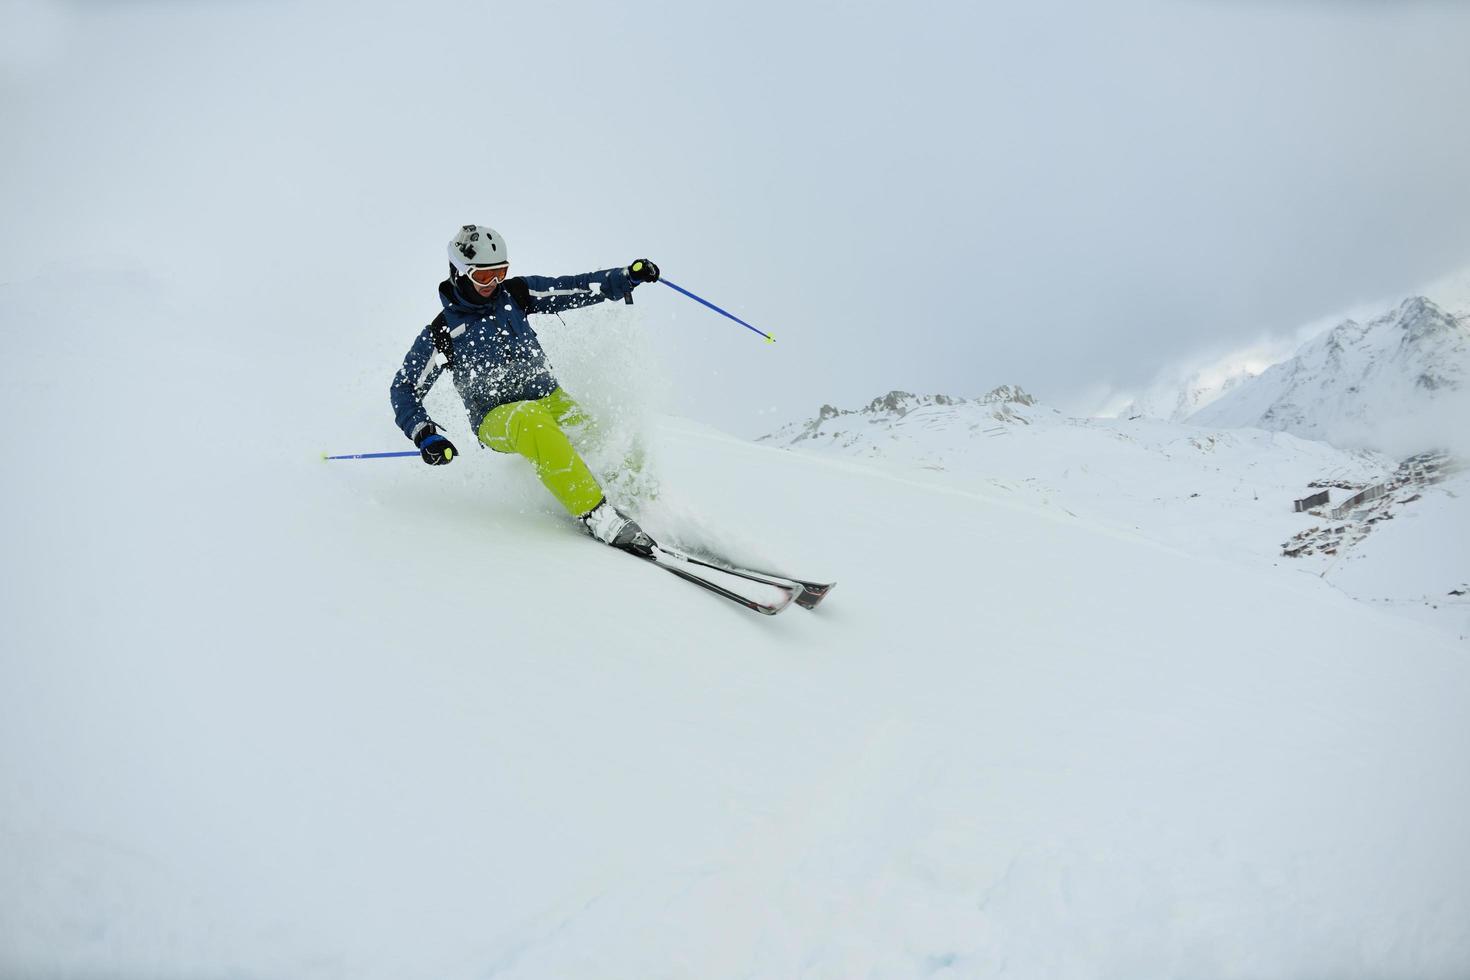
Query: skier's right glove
x: 434, y: 448
x: 643, y: 270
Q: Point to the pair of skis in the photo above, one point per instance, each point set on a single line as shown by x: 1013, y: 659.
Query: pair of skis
x: 694, y: 569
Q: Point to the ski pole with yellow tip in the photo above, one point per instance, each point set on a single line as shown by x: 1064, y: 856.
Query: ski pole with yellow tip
x: 637, y: 267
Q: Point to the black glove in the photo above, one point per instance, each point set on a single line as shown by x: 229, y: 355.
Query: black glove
x: 434, y: 448
x: 643, y: 270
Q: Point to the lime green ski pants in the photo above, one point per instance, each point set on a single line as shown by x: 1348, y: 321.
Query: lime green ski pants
x: 534, y: 429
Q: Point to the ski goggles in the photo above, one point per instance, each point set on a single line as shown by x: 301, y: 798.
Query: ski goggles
x: 487, y: 275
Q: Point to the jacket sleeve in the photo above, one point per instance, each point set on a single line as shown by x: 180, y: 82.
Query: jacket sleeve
x: 556, y: 294
x: 412, y: 382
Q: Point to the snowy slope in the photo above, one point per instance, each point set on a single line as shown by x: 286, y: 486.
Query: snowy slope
x: 1216, y: 493
x: 1221, y: 493
x: 266, y: 716
x: 1397, y: 382
x: 1415, y: 560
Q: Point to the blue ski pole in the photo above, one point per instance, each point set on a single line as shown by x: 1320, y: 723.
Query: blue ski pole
x: 412, y: 452
x: 705, y: 302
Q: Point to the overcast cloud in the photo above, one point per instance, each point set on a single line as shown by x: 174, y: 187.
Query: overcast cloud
x: 934, y: 196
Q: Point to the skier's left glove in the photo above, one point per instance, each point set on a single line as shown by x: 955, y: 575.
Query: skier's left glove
x: 434, y: 448
x: 643, y: 270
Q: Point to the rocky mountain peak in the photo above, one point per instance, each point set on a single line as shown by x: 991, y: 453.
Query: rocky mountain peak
x: 900, y: 403
x: 1422, y: 321
x: 1013, y: 394
x: 1345, y: 335
x: 998, y: 403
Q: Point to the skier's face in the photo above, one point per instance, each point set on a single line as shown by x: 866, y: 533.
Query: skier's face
x: 486, y: 279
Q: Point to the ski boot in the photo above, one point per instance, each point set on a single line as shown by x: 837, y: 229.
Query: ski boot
x: 605, y: 523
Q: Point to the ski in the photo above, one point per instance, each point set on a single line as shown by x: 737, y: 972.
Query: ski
x: 812, y: 592
x: 807, y: 594
x: 670, y: 561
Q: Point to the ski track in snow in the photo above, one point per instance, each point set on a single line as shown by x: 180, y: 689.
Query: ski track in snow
x: 263, y: 716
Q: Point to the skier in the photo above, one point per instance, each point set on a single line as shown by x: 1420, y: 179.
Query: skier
x: 514, y: 402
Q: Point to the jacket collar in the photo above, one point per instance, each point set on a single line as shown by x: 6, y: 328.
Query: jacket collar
x: 453, y: 297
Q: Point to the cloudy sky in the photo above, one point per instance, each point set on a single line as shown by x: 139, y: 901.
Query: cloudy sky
x: 932, y: 196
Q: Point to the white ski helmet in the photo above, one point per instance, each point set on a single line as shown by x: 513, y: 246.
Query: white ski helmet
x: 477, y: 245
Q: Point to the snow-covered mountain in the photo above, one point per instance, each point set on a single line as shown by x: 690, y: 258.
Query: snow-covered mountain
x: 1397, y: 382
x: 1176, y: 400
x: 1179, y: 390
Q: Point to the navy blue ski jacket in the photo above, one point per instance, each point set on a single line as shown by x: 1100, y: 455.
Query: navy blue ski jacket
x: 497, y: 356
